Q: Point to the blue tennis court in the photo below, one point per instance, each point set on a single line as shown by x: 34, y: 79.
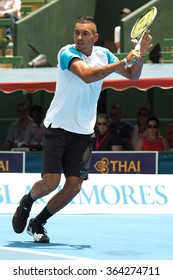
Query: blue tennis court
x: 97, y: 237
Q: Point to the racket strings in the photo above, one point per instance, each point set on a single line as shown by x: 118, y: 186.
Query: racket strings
x: 143, y: 23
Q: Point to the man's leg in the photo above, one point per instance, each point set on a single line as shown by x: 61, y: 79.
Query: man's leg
x: 39, y: 189
x: 35, y: 228
x: 10, y: 29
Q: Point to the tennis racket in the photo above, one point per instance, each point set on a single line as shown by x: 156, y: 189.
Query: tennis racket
x: 141, y: 26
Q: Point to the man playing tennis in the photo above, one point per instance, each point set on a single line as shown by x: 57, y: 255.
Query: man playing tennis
x: 70, y: 121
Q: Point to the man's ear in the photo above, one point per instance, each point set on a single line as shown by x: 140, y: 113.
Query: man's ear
x: 96, y: 37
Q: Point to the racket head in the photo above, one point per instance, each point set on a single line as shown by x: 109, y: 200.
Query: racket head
x: 143, y: 23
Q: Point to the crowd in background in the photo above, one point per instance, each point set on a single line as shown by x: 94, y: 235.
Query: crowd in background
x: 27, y: 131
x: 112, y: 132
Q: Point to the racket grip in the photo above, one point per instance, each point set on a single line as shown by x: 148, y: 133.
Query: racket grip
x: 137, y: 47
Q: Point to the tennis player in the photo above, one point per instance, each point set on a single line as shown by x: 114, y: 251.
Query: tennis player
x: 70, y: 121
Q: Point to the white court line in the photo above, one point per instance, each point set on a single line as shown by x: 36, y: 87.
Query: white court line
x: 43, y: 253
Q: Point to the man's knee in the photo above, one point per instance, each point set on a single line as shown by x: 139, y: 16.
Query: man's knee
x: 73, y: 185
x: 51, y: 182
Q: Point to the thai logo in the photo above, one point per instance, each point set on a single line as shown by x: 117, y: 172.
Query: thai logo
x: 102, y: 166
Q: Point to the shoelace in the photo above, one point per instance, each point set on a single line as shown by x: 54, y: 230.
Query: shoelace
x: 39, y: 228
x: 42, y: 229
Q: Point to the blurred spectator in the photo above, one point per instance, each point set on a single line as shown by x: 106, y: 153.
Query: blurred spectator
x: 105, y: 139
x: 140, y: 128
x: 34, y: 136
x: 117, y: 30
x: 10, y: 9
x: 18, y: 129
x: 122, y: 128
x: 153, y: 141
x: 169, y: 134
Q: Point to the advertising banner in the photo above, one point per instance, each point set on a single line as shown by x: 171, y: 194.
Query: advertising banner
x: 124, y: 162
x: 12, y: 162
x: 101, y: 194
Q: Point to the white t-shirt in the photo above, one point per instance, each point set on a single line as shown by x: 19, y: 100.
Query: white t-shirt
x: 117, y: 37
x: 74, y: 104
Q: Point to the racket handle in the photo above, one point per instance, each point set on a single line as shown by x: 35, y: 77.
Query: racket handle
x: 137, y: 47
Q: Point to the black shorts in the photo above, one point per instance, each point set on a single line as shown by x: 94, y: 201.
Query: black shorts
x: 66, y: 152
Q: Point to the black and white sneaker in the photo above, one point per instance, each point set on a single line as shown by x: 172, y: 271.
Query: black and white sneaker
x: 20, y: 217
x: 38, y: 232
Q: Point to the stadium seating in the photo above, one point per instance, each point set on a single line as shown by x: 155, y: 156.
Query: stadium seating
x: 6, y: 50
x: 166, y: 54
x: 11, y: 61
x: 166, y: 57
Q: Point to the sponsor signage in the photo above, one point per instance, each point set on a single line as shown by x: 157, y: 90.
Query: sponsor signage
x: 124, y: 162
x: 12, y: 162
x: 101, y: 163
x: 101, y: 194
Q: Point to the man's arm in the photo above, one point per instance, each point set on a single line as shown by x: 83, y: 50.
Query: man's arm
x: 93, y: 74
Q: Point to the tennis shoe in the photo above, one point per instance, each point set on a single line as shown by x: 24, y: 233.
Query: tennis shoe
x: 20, y: 217
x: 38, y: 232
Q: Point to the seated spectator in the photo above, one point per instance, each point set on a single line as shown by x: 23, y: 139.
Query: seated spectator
x: 18, y: 129
x: 105, y: 139
x: 140, y: 128
x: 153, y: 141
x: 34, y: 136
x: 10, y: 9
x: 169, y: 134
x: 123, y: 128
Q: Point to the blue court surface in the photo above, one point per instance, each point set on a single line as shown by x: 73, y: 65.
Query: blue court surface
x: 97, y: 237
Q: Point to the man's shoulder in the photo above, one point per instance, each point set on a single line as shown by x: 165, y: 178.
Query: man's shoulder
x: 69, y: 51
x: 104, y: 52
x: 70, y: 48
x: 101, y: 49
x: 66, y: 54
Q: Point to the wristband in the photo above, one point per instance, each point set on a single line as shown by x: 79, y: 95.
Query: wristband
x: 125, y: 62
